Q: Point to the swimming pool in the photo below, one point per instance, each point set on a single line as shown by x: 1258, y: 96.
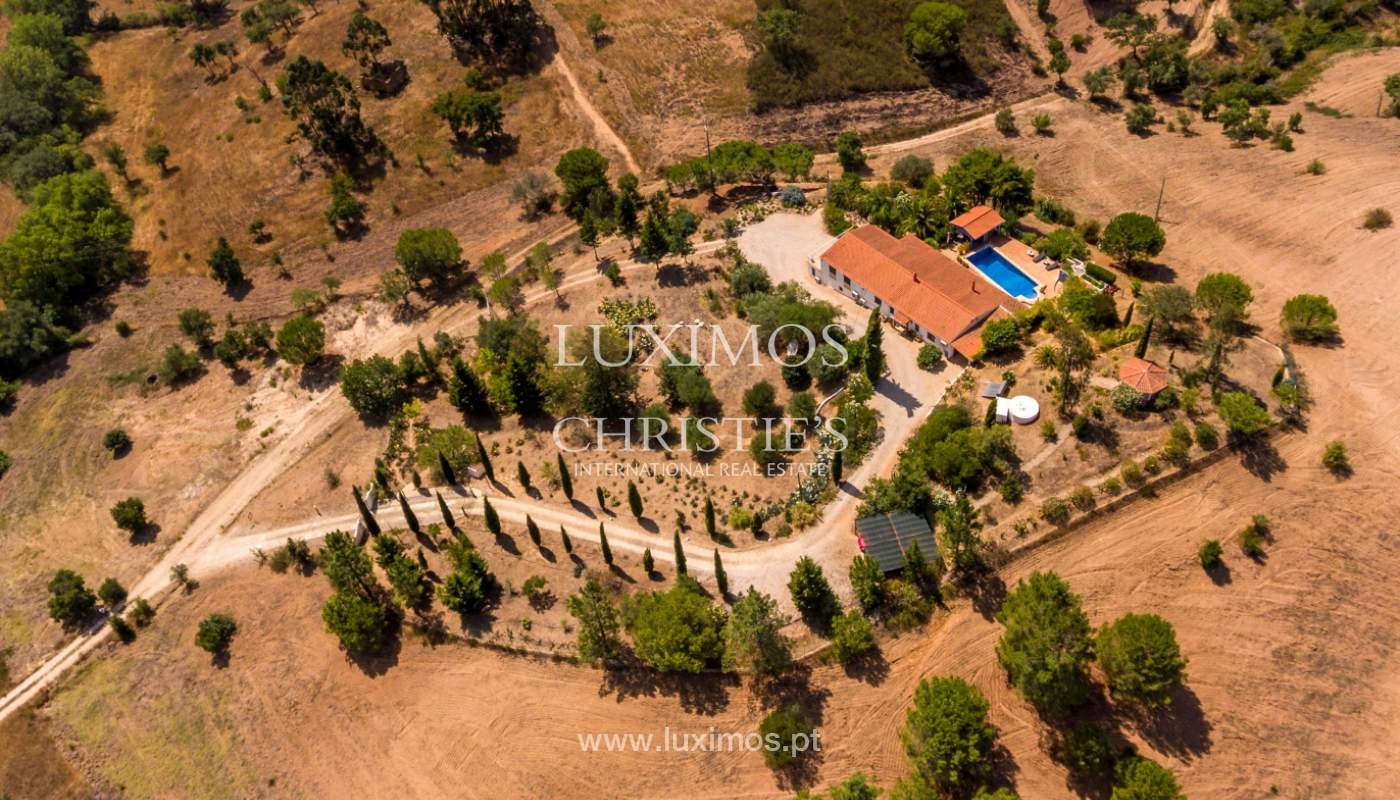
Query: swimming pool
x: 998, y: 269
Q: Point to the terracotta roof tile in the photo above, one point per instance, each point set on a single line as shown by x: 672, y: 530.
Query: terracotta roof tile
x: 1143, y: 375
x: 978, y: 221
x: 921, y: 283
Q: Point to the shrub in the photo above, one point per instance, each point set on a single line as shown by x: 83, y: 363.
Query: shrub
x: 912, y: 170
x: 1316, y: 167
x: 116, y: 441
x: 792, y: 197
x: 1207, y: 437
x: 812, y: 594
x: 851, y: 636
x: 1252, y: 541
x: 1210, y: 553
x: 1100, y: 273
x: 1140, y: 118
x: 1377, y: 219
x: 1055, y: 511
x: 111, y: 592
x: 1041, y: 123
x: 1000, y: 336
x: 1309, y: 318
x: 1006, y: 122
x: 1126, y: 399
x: 1334, y: 457
x: 1083, y: 498
x: 1111, y: 487
x: 1132, y: 474
x: 930, y: 357
x: 177, y: 364
x: 359, y: 623
x: 779, y: 730
x: 1242, y: 414
x: 1012, y: 489
x: 1140, y: 659
x: 740, y: 518
x: 215, y: 632
x: 130, y: 515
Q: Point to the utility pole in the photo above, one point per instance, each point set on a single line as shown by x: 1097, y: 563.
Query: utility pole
x: 1157, y: 215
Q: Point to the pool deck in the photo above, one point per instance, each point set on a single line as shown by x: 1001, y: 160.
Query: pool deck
x: 1015, y: 252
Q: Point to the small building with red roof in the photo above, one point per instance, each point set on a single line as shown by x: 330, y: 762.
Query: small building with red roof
x: 977, y: 223
x: 916, y: 287
x: 1143, y: 375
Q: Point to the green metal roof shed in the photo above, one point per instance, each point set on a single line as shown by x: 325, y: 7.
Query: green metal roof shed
x: 887, y: 536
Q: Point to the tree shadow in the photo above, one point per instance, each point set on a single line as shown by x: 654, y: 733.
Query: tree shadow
x: 582, y: 508
x: 146, y: 535
x: 548, y: 554
x: 373, y: 665
x: 321, y: 374
x: 1220, y: 574
x: 1259, y: 457
x: 986, y: 590
x: 507, y: 543
x: 705, y: 694
x: 386, y: 79
x: 1180, y: 729
x: 648, y: 524
x: 871, y: 668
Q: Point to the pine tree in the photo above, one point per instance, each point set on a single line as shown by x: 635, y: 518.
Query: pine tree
x: 588, y: 233
x: 447, y: 518
x: 603, y: 542
x: 371, y: 524
x: 522, y: 474
x: 448, y: 474
x: 1141, y: 351
x: 408, y: 516
x: 721, y: 580
x: 566, y: 482
x: 837, y: 465
x: 493, y: 522
x: 634, y: 499
x: 648, y: 563
x: 680, y: 553
x: 564, y: 537
x: 709, y: 517
x: 532, y: 529
x: 602, y: 501
x: 485, y: 460
x: 874, y: 352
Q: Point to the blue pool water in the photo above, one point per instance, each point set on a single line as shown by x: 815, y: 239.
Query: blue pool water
x: 997, y: 269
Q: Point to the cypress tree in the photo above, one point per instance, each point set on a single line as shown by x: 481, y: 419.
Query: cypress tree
x: 634, y: 499
x: 603, y: 542
x: 680, y: 553
x: 874, y: 351
x: 564, y: 537
x: 721, y: 580
x: 1128, y: 315
x: 493, y: 522
x: 522, y: 474
x: 565, y: 481
x: 447, y: 518
x: 648, y: 563
x: 429, y: 363
x: 408, y: 516
x: 370, y: 524
x: 709, y: 517
x: 837, y: 466
x: 1141, y: 351
x: 602, y: 502
x: 448, y: 474
x: 532, y: 529
x: 485, y: 460
x: 465, y: 392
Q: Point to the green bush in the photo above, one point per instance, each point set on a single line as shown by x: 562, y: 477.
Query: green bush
x: 1210, y: 553
x: 1377, y: 219
x: 215, y: 632
x: 1087, y: 750
x: 930, y: 357
x: 1207, y: 437
x: 1101, y: 273
x: 851, y: 636
x: 1334, y: 457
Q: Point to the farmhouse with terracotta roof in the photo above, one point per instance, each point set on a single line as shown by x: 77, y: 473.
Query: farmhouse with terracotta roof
x: 977, y: 223
x: 918, y: 288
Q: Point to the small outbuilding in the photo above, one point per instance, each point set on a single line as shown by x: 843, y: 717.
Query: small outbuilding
x: 886, y: 537
x: 1144, y: 376
x: 977, y: 223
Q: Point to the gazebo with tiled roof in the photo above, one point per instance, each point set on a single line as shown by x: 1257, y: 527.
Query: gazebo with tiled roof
x: 1143, y: 375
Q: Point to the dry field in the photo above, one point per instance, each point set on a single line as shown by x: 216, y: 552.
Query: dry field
x: 1292, y: 679
x: 671, y: 72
